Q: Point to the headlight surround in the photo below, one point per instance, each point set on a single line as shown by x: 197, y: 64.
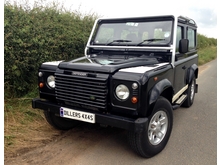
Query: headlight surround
x: 122, y: 92
x: 51, y: 81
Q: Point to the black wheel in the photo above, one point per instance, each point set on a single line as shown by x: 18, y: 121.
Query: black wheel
x: 59, y: 122
x: 152, y: 141
x: 190, y: 94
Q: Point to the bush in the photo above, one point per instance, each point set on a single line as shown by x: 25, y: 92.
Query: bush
x: 204, y: 41
x: 33, y: 36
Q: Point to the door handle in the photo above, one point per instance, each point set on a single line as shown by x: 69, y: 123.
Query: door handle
x: 184, y: 67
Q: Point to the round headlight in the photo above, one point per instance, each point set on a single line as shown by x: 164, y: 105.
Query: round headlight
x: 51, y: 81
x: 122, y: 92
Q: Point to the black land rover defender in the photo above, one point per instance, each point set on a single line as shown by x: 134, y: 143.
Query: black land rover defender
x: 135, y: 72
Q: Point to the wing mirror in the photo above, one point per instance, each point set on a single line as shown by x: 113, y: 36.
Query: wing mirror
x: 183, y: 45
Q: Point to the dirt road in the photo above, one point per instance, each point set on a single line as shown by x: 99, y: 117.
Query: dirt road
x: 193, y: 139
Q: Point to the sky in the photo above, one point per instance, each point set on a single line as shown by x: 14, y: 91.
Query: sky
x: 204, y: 12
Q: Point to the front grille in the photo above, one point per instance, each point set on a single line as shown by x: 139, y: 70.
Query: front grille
x: 80, y: 91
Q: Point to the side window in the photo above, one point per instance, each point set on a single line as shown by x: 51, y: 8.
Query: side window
x: 179, y: 36
x: 191, y: 36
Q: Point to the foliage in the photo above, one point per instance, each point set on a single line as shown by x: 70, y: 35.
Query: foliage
x: 33, y: 36
x: 204, y: 41
x: 207, y: 54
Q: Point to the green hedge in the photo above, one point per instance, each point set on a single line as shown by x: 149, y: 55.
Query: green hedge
x: 33, y: 36
x: 38, y: 35
x: 204, y: 41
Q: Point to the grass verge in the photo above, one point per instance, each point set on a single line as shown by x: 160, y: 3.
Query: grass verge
x: 24, y: 128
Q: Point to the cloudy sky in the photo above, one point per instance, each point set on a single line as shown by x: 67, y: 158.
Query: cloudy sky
x: 204, y: 12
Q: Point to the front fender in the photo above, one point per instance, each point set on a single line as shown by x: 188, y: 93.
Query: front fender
x: 158, y: 89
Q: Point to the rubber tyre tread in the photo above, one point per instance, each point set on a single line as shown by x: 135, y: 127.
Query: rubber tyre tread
x: 58, y: 122
x: 188, y: 102
x: 139, y: 141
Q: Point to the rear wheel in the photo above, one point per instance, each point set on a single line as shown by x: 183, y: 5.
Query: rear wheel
x: 153, y: 140
x: 190, y: 93
x: 59, y: 122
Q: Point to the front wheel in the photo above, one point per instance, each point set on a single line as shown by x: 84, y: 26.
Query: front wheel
x: 153, y: 140
x: 59, y: 122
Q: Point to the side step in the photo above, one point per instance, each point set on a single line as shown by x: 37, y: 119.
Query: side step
x: 181, y: 99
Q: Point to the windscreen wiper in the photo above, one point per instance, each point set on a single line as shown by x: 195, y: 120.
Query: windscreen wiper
x: 149, y: 41
x: 118, y: 41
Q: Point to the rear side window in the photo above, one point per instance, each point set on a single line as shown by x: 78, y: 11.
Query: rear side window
x: 191, y: 36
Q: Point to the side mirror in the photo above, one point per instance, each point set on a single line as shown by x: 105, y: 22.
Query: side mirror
x: 183, y: 45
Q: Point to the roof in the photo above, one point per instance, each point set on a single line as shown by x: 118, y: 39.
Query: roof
x: 182, y: 19
x: 186, y: 20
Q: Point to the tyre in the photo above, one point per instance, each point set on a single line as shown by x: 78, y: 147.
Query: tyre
x: 190, y: 93
x: 153, y: 140
x: 59, y: 122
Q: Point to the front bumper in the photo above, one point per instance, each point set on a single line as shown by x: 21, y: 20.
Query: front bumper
x: 136, y: 125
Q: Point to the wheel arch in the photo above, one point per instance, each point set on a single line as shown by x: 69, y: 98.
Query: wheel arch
x: 162, y: 88
x: 192, y: 72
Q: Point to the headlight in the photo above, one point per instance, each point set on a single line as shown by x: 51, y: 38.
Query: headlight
x: 122, y: 92
x: 51, y: 81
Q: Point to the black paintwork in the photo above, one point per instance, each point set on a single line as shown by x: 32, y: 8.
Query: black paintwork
x: 89, y: 73
x: 106, y: 68
x: 136, y: 125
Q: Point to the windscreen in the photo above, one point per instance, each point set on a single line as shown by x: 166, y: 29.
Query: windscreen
x: 135, y: 33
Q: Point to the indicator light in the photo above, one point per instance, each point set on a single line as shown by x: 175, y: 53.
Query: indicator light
x: 134, y: 100
x: 41, y: 85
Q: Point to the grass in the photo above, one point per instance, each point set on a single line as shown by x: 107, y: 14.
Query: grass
x: 25, y: 127
x: 17, y: 118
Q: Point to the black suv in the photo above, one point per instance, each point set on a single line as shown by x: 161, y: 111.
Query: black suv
x: 135, y: 72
